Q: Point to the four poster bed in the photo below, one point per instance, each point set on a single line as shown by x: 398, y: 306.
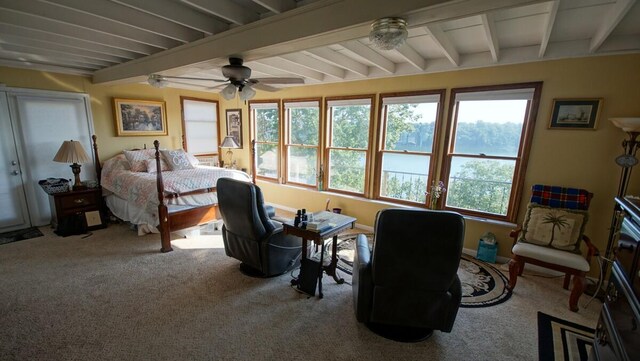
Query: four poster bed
x: 167, y: 200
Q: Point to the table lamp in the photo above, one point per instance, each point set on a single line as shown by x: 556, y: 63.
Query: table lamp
x: 71, y: 151
x: 229, y: 142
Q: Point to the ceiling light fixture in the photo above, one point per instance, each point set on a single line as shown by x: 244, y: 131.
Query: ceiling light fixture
x: 388, y: 33
x: 229, y: 92
x: 157, y: 81
x: 247, y: 92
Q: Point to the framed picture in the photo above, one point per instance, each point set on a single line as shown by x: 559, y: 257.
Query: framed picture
x: 575, y: 113
x: 234, y: 124
x: 139, y: 117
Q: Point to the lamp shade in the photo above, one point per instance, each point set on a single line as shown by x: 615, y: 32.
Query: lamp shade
x: 229, y: 92
x: 247, y: 92
x: 229, y: 142
x: 627, y: 124
x: 71, y: 151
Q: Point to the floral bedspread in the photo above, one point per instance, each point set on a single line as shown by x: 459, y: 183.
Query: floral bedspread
x: 140, y: 187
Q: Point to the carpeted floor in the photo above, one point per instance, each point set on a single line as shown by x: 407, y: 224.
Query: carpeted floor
x: 114, y: 296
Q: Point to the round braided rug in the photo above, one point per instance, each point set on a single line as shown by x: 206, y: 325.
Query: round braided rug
x: 482, y: 284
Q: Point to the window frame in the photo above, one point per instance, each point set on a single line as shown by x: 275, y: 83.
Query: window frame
x: 326, y: 145
x: 521, y: 159
x: 254, y: 141
x: 185, y: 143
x: 381, y: 137
x: 286, y: 120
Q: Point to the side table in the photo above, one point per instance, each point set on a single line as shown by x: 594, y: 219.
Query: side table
x: 86, y: 203
x: 331, y: 225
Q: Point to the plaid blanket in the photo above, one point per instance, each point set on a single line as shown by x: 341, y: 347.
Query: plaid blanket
x: 560, y: 197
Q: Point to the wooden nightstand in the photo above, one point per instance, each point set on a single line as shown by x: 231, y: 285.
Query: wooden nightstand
x: 76, y: 210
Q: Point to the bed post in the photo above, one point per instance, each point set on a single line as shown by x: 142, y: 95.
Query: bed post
x: 163, y: 213
x: 96, y: 157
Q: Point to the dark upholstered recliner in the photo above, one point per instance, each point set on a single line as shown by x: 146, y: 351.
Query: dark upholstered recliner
x: 408, y: 285
x: 249, y: 234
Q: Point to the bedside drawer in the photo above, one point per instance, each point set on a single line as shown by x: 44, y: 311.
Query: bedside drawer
x: 77, y: 202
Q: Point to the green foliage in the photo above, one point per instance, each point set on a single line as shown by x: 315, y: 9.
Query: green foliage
x: 304, y: 125
x: 267, y: 128
x: 483, y: 185
x: 412, y: 189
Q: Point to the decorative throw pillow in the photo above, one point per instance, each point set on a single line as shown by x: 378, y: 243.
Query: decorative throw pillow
x: 558, y: 228
x: 192, y: 159
x: 152, y: 166
x: 137, y: 158
x: 176, y: 159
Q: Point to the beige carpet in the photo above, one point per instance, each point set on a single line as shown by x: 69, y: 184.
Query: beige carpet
x: 113, y: 296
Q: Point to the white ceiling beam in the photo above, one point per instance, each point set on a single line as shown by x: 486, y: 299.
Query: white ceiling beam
x: 340, y: 60
x: 46, y: 25
x: 370, y: 55
x: 443, y: 42
x: 52, y: 53
x: 551, y: 20
x: 292, y: 68
x: 179, y: 14
x: 44, y: 67
x: 611, y: 20
x: 277, y: 6
x: 53, y: 60
x: 130, y: 17
x: 225, y: 9
x: 412, y: 56
x: 315, y: 64
x: 38, y: 44
x: 262, y: 70
x: 89, y: 22
x: 55, y: 39
x: 489, y: 27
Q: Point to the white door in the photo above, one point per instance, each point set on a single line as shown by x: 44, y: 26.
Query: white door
x: 13, y: 206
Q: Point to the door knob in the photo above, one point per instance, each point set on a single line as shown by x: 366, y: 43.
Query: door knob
x: 15, y: 172
x: 13, y: 162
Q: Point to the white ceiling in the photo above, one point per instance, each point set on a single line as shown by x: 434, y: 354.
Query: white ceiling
x: 322, y: 41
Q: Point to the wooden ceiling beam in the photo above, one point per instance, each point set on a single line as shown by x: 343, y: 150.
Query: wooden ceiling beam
x: 276, y: 6
x: 370, y: 55
x: 444, y: 43
x: 315, y: 64
x: 340, y: 60
x: 225, y: 9
x: 611, y: 21
x: 489, y: 27
x: 551, y: 20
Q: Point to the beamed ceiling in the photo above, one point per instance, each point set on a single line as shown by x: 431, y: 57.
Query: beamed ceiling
x: 323, y: 41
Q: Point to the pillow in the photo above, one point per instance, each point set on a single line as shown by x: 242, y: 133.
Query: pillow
x: 152, y: 167
x: 137, y: 158
x: 176, y: 159
x: 558, y: 228
x: 192, y: 159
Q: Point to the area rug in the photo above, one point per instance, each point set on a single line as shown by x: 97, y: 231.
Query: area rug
x: 482, y: 284
x: 559, y: 339
x: 19, y: 235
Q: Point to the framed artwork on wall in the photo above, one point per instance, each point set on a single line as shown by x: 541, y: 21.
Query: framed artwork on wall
x: 575, y: 113
x: 139, y: 117
x: 234, y: 124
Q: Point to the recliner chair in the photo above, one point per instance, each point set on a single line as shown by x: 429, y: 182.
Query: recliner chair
x: 250, y: 235
x: 408, y: 286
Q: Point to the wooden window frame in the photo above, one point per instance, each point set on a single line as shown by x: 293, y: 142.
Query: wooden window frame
x: 185, y: 144
x: 287, y: 140
x: 327, y: 144
x: 521, y: 158
x: 254, y: 142
x: 381, y: 137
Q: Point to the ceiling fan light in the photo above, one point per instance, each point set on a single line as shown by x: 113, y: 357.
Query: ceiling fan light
x: 388, y: 33
x: 157, y: 81
x: 229, y: 92
x: 247, y: 92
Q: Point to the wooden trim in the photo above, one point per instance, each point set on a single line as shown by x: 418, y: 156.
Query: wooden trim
x: 253, y: 130
x: 185, y: 144
x: 287, y: 140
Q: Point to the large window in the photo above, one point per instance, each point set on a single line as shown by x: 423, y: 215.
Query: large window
x: 302, y: 124
x: 490, y: 132
x: 265, y: 116
x: 347, y: 152
x: 407, y: 130
x: 200, y: 126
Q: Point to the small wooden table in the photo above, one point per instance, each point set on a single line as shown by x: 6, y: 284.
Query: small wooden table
x: 331, y: 225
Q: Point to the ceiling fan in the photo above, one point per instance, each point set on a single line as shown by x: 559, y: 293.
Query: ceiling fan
x: 238, y: 79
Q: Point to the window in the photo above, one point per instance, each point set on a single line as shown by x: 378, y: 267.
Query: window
x: 200, y: 126
x: 488, y: 146
x: 265, y: 116
x: 347, y: 152
x: 302, y: 123
x: 408, y: 127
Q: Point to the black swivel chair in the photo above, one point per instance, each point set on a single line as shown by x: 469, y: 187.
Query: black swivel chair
x: 408, y: 285
x: 250, y: 235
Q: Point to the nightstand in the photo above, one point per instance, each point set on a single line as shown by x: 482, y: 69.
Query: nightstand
x: 78, y: 210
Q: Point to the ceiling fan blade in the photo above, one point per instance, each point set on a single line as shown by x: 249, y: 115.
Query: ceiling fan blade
x: 279, y: 80
x: 217, y: 86
x: 191, y: 78
x: 265, y: 87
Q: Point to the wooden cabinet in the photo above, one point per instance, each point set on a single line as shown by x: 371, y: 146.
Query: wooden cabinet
x: 77, y: 210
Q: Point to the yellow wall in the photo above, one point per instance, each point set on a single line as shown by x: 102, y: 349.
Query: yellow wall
x: 578, y: 158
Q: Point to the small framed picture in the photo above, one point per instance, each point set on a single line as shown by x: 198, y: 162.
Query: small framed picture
x: 575, y: 113
x: 139, y: 117
x: 234, y: 124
